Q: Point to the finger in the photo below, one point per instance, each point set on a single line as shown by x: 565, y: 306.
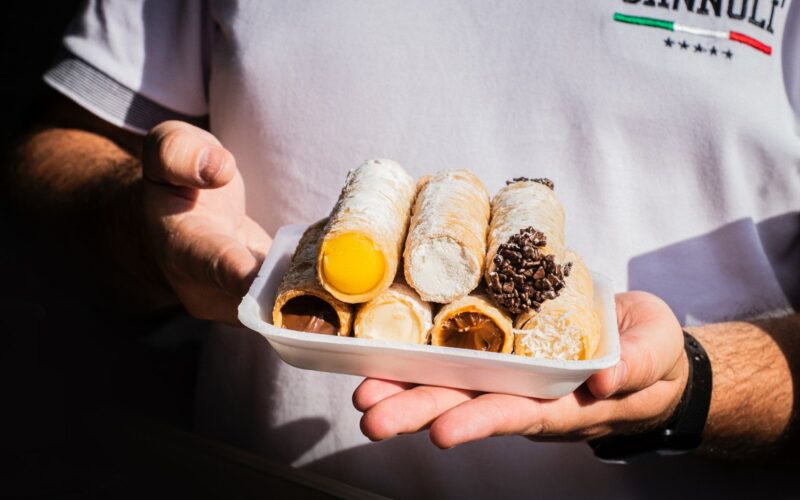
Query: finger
x: 651, y: 347
x: 207, y: 256
x: 179, y: 154
x: 211, y: 290
x: 410, y: 411
x: 257, y: 240
x: 577, y: 416
x: 502, y: 414
x: 235, y: 268
x: 372, y: 390
x: 209, y: 302
x: 608, y: 382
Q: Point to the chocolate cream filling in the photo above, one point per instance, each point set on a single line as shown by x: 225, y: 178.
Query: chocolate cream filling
x: 311, y: 314
x: 471, y: 330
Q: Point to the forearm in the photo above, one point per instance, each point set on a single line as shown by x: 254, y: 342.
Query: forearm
x: 755, y: 367
x: 78, y: 195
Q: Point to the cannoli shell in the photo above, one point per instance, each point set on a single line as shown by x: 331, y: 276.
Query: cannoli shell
x: 525, y: 204
x: 420, y: 311
x: 301, y: 279
x: 566, y: 327
x: 480, y: 303
x: 375, y: 202
x: 445, y: 250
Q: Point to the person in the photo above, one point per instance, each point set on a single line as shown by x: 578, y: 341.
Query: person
x: 674, y: 150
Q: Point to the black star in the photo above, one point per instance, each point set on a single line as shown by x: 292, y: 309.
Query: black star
x: 712, y: 51
x: 699, y: 48
x: 728, y: 53
x: 669, y: 42
x: 684, y: 45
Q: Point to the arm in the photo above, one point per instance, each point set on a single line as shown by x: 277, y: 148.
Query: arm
x: 754, y: 365
x: 76, y: 179
x: 756, y: 370
x: 154, y: 221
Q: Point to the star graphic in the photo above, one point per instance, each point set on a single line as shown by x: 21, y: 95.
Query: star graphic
x: 728, y: 53
x: 684, y: 45
x: 712, y: 51
x: 669, y: 42
x: 699, y: 48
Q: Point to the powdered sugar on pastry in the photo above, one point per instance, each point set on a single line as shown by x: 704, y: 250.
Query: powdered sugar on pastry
x: 373, y: 197
x: 362, y: 242
x: 525, y: 204
x: 566, y: 327
x: 446, y: 245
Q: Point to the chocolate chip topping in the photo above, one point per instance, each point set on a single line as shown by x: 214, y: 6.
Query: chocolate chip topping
x: 524, y: 277
x: 541, y: 180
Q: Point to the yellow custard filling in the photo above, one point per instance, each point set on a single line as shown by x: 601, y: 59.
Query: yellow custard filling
x: 352, y: 263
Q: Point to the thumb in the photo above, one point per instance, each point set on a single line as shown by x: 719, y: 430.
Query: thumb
x: 210, y: 268
x: 179, y: 154
x: 651, y: 345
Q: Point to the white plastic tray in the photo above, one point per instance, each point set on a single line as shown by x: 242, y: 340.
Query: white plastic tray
x: 423, y: 364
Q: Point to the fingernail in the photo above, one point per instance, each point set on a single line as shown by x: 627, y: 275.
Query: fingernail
x: 211, y: 162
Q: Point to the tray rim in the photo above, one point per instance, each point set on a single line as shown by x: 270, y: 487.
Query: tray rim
x: 253, y: 316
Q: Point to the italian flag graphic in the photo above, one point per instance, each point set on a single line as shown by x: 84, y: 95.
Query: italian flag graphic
x: 673, y: 26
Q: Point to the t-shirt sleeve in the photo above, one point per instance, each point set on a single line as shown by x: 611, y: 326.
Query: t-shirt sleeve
x: 791, y: 57
x: 136, y: 63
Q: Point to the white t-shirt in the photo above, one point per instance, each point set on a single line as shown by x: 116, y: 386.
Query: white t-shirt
x: 673, y: 145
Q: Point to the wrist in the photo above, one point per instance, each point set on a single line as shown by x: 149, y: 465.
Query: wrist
x: 682, y: 427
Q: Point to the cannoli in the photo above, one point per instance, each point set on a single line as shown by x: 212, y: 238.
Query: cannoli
x: 397, y: 314
x: 566, y: 327
x: 363, y: 239
x: 446, y: 244
x: 301, y: 303
x: 525, y: 261
x: 473, y: 322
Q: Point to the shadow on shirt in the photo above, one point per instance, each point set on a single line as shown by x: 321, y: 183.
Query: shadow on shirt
x: 741, y: 270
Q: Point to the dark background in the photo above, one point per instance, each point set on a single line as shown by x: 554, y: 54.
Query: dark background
x: 93, y: 403
x: 66, y: 364
x: 63, y: 360
x: 29, y: 39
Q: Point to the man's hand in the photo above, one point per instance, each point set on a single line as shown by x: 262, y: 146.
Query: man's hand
x: 146, y: 223
x: 641, y: 392
x: 194, y: 208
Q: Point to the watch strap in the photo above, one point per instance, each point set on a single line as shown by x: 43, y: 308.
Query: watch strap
x: 681, y: 433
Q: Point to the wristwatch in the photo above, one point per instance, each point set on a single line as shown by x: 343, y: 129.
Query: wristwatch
x: 682, y: 433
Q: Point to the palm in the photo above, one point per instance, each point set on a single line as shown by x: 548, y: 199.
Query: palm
x: 640, y: 392
x: 206, y: 244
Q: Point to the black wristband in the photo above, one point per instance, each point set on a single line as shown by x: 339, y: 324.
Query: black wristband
x: 683, y: 432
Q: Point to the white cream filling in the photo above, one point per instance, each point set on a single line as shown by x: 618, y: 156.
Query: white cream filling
x: 391, y: 321
x: 442, y: 271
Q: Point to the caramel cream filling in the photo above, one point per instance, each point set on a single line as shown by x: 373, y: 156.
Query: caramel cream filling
x: 471, y: 330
